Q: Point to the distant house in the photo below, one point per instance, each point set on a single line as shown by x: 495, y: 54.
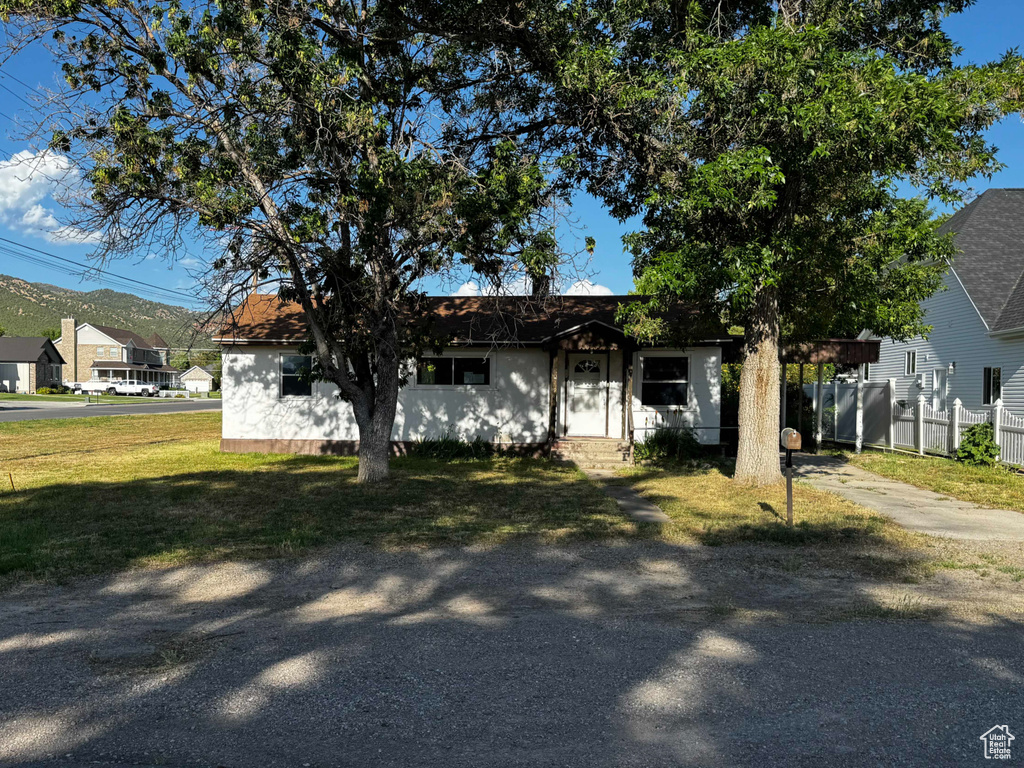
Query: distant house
x: 156, y: 341
x: 530, y: 375
x: 28, y: 363
x: 975, y: 351
x: 100, y: 353
x: 198, y: 378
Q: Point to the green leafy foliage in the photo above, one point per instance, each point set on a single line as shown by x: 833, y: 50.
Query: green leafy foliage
x: 448, y: 447
x: 978, y: 445
x: 668, y: 445
x: 52, y: 390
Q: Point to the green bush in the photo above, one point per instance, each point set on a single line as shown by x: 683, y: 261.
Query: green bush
x: 52, y: 390
x: 668, y: 445
x: 451, y: 448
x: 978, y: 446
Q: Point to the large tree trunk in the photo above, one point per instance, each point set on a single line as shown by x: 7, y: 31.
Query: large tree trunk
x: 757, y: 460
x: 375, y: 427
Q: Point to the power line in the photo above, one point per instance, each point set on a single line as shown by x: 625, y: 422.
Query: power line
x: 18, y: 96
x: 83, y: 270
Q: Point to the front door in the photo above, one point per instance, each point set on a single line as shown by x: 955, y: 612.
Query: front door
x: 588, y: 395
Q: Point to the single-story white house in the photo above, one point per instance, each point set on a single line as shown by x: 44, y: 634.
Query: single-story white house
x: 198, y: 378
x: 975, y: 351
x: 28, y: 363
x: 516, y: 372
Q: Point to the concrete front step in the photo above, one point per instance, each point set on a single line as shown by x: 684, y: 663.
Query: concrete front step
x: 592, y: 453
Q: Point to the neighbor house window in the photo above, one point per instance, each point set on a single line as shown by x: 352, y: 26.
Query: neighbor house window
x: 295, y: 370
x: 453, y: 371
x: 867, y: 371
x: 910, y: 364
x: 665, y: 381
x: 992, y: 386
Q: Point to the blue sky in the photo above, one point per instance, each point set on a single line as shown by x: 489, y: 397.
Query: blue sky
x: 30, y: 216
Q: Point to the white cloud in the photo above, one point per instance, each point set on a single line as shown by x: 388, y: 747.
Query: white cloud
x: 27, y: 181
x: 190, y: 261
x: 151, y: 257
x: 587, y: 288
x: 468, y: 288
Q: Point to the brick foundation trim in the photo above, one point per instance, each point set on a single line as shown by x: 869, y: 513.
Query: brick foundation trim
x: 344, y: 447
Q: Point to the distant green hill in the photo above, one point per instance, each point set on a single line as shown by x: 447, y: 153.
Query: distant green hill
x: 28, y: 309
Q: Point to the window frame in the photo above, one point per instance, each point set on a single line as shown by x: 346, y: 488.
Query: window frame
x: 451, y: 355
x: 638, y: 386
x: 281, y: 377
x: 987, y: 390
x: 910, y: 356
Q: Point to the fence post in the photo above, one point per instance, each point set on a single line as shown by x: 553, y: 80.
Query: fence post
x: 859, y: 415
x: 997, y: 425
x: 892, y: 414
x: 919, y: 437
x: 954, y: 422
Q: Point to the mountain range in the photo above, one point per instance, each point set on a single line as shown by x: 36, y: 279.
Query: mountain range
x: 31, y: 309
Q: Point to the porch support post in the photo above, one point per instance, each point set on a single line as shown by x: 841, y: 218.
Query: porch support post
x: 553, y: 398
x: 626, y: 402
x: 800, y: 403
x: 629, y: 402
x: 860, y: 408
x: 782, y: 393
x: 819, y: 403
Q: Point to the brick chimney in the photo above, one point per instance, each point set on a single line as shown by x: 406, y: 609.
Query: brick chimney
x: 68, y: 347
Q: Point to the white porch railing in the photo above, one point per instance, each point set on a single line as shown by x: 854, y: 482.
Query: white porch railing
x: 912, y: 426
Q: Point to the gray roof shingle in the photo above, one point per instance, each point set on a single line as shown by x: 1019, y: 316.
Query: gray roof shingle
x: 989, y: 234
x: 27, y: 349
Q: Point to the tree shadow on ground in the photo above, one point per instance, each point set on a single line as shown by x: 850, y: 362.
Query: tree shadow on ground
x: 615, y: 654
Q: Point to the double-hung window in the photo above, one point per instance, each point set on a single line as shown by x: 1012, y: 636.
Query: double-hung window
x: 665, y: 380
x: 453, y: 371
x: 295, y: 380
x: 910, y: 364
x: 992, y: 386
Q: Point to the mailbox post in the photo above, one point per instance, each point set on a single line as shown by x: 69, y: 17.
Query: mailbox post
x: 790, y: 441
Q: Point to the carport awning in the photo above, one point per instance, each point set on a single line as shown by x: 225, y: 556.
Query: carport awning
x: 844, y: 352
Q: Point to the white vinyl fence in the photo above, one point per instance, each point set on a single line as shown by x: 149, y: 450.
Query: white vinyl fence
x: 910, y: 425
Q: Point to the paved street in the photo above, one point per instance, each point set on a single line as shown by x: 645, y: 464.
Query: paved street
x: 20, y: 410
x: 622, y: 655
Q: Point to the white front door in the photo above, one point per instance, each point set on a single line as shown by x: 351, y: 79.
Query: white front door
x: 588, y: 395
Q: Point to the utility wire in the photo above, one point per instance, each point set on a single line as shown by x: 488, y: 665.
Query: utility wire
x: 84, y: 270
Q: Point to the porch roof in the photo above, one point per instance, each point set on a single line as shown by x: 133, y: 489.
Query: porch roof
x: 118, y: 365
x: 835, y: 351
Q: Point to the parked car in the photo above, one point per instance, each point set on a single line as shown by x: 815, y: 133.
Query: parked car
x: 139, y: 388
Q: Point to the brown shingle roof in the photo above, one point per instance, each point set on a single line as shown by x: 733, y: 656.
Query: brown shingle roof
x: 122, y: 336
x: 157, y: 342
x: 463, y: 319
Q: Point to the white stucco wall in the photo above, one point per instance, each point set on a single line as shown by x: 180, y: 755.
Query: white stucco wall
x: 958, y: 335
x: 514, y: 408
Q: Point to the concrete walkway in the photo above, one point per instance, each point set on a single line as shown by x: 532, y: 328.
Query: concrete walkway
x: 911, y: 507
x: 629, y: 501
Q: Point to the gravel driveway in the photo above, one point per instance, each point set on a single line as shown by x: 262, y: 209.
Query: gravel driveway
x: 613, y: 655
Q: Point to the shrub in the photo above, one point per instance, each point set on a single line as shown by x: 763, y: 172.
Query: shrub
x: 448, y: 447
x: 978, y: 446
x: 52, y: 390
x: 668, y: 445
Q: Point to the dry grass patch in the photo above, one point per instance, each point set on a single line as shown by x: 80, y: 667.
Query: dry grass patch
x: 830, y: 533
x: 996, y: 487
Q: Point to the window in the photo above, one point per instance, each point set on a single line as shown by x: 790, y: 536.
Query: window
x: 992, y: 386
x: 587, y: 366
x: 295, y: 381
x: 867, y: 371
x: 910, y: 364
x: 101, y: 351
x: 453, y: 371
x: 665, y: 380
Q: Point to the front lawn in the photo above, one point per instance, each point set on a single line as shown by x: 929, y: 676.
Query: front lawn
x: 102, y: 494
x: 996, y: 487
x: 75, y: 399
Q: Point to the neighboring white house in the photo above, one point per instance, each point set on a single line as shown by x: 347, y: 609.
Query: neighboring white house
x: 28, y: 363
x: 975, y: 351
x: 517, y: 372
x: 198, y: 378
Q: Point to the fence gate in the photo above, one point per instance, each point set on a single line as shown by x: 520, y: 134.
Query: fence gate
x: 876, y: 413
